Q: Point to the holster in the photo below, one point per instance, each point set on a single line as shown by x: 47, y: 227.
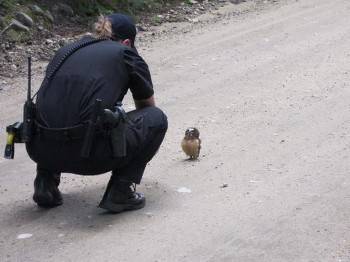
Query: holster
x: 118, y: 140
x: 117, y: 123
x: 14, y: 135
x: 20, y: 132
x: 29, y: 111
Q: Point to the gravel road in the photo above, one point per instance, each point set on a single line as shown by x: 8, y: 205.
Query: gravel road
x: 269, y: 91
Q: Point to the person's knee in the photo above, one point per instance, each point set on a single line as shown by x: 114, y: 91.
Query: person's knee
x: 158, y: 118
x: 164, y: 121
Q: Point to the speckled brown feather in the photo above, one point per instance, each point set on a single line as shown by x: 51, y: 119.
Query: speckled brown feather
x: 191, y: 147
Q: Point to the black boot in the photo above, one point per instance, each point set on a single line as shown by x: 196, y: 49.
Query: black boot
x: 46, y: 192
x: 121, y: 196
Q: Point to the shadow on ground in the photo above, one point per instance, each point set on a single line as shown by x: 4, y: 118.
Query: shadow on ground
x: 80, y: 211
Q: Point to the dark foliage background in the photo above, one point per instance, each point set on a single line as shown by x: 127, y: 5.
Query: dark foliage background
x: 92, y: 7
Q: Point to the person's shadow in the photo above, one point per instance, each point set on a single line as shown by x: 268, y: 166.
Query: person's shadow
x: 80, y: 212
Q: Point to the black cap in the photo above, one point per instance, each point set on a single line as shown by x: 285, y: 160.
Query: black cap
x: 123, y: 27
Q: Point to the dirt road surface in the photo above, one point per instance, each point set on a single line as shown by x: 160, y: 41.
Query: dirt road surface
x: 270, y: 92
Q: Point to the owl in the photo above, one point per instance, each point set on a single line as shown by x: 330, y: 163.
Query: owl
x: 191, y: 143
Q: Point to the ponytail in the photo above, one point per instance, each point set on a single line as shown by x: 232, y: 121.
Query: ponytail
x: 103, y: 27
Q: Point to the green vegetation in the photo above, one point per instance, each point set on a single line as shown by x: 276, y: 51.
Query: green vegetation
x: 84, y: 11
x: 18, y: 36
x: 6, y: 4
x: 93, y: 7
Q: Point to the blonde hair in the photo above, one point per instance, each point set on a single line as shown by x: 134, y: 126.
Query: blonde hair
x: 103, y: 27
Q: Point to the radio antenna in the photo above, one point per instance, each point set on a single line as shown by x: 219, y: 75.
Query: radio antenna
x: 29, y: 91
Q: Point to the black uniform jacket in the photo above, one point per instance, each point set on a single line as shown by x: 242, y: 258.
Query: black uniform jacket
x: 104, y: 70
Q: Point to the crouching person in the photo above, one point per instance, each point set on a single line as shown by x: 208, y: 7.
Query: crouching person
x: 80, y: 126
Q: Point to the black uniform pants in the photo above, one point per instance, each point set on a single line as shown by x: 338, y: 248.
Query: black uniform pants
x: 144, y: 135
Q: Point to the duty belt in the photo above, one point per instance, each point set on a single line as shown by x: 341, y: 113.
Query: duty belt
x: 63, y: 134
x: 103, y: 122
